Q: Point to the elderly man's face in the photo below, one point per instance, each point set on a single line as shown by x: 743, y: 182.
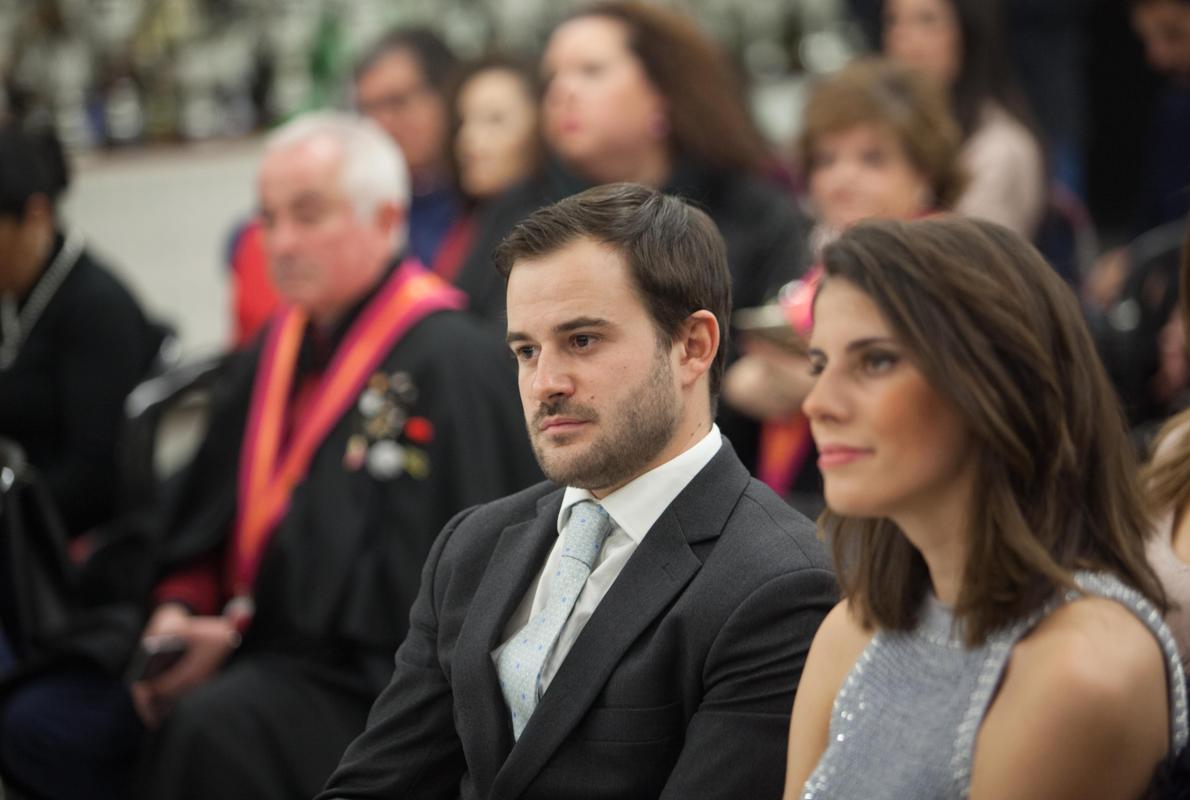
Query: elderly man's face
x: 322, y: 255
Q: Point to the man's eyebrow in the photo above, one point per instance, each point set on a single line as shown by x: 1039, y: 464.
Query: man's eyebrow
x: 578, y: 323
x: 581, y: 322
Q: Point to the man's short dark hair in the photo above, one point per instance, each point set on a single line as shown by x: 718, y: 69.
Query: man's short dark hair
x: 436, y: 60
x: 674, y: 252
x: 31, y: 163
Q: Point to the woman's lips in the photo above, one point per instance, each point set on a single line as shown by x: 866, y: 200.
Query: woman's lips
x: 838, y: 455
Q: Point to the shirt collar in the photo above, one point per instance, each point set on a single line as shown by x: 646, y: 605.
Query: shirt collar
x: 635, y: 506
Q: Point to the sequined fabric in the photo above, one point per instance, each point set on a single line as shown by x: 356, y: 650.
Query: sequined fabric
x: 905, y: 721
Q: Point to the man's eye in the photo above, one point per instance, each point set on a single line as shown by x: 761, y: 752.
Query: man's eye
x: 309, y: 215
x: 582, y: 340
x: 524, y: 352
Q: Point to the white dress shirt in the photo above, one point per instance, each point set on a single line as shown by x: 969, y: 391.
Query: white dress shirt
x: 633, y: 508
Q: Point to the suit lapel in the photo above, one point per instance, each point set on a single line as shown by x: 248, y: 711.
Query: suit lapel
x: 653, y: 577
x: 483, y: 719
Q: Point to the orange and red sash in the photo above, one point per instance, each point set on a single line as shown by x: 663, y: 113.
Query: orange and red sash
x: 784, y: 444
x: 269, y: 472
x: 783, y: 449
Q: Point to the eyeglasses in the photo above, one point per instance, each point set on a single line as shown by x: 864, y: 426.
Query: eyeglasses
x: 394, y: 102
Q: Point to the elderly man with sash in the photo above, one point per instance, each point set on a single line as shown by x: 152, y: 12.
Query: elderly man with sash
x: 368, y: 413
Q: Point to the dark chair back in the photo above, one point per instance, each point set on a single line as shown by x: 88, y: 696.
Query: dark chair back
x: 35, y: 575
x: 1066, y: 235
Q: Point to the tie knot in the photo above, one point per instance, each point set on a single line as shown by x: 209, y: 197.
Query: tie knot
x: 583, y: 537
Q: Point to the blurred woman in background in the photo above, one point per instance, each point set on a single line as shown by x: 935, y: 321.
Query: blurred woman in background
x: 877, y: 141
x: 1000, y: 634
x: 495, y: 145
x: 958, y: 43
x: 637, y: 93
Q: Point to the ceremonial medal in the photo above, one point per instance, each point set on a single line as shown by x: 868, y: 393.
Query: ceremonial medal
x: 357, y: 451
x: 388, y: 440
x: 417, y: 463
x: 402, y: 384
x: 371, y: 402
x: 386, y: 459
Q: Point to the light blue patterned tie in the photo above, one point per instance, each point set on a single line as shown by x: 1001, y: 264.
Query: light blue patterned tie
x: 520, y: 663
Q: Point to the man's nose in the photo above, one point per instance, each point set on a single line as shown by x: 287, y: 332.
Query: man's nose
x: 551, y: 378
x: 279, y: 238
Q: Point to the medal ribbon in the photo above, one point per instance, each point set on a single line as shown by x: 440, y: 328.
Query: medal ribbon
x: 267, y: 476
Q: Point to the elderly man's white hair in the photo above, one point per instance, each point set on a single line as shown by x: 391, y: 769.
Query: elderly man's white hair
x: 373, y: 170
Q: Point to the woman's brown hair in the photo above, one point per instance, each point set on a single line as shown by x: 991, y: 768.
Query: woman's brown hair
x: 708, y: 113
x: 1167, y: 478
x: 909, y: 105
x: 997, y: 333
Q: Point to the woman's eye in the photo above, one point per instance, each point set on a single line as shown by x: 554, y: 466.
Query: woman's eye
x: 876, y: 362
x: 821, y: 161
x: 874, y: 158
x: 816, y: 367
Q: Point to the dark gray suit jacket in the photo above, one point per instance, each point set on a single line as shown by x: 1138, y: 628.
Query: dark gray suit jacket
x: 679, y: 686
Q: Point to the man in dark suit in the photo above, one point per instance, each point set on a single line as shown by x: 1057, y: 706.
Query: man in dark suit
x: 637, y: 626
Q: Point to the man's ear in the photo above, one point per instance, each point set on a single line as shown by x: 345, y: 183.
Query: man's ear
x: 698, y: 344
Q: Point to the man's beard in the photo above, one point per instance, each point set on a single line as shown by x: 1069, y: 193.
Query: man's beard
x: 630, y: 438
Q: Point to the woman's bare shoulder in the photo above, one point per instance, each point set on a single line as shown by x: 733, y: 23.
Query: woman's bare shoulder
x: 1081, y: 711
x: 843, y: 635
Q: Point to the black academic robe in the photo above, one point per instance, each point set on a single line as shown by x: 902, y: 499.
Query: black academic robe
x: 339, y: 575
x: 62, y: 399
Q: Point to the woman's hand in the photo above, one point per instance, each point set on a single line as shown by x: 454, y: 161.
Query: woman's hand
x: 768, y: 382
